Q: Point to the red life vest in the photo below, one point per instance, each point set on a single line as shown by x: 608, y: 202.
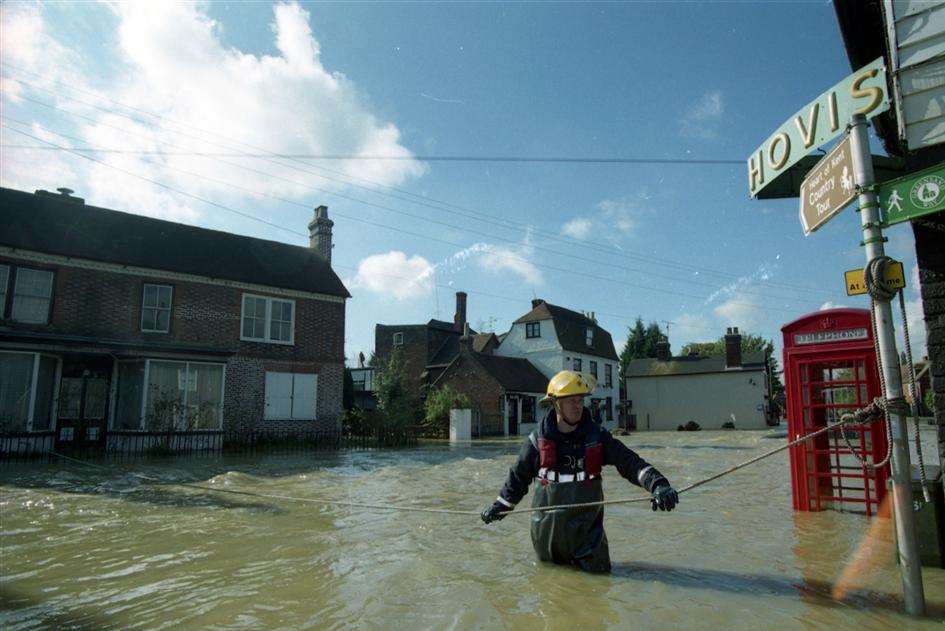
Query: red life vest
x: 588, y: 467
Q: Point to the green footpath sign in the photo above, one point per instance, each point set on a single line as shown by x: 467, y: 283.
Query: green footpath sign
x: 914, y: 195
x: 818, y: 122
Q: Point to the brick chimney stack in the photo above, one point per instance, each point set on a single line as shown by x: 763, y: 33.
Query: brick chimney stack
x: 536, y: 302
x: 733, y: 348
x: 459, y: 318
x: 465, y: 341
x: 662, y: 350
x: 319, y: 233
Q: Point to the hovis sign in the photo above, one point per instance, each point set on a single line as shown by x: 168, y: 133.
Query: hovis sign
x: 856, y: 283
x: 828, y: 188
x: 822, y: 120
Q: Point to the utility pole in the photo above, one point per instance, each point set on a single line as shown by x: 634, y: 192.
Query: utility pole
x: 900, y: 465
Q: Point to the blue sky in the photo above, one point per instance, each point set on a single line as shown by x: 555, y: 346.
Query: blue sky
x: 677, y: 243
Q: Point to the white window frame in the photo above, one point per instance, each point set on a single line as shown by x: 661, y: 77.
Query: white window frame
x: 534, y: 327
x: 34, y: 385
x: 267, y: 339
x: 608, y: 375
x: 398, y: 338
x: 4, y: 286
x: 145, y: 391
x: 52, y: 285
x: 589, y: 336
x: 170, y: 308
x: 291, y: 417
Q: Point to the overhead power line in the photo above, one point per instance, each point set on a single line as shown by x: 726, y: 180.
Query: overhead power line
x: 419, y: 158
x: 417, y: 199
x: 358, y: 219
x: 445, y: 224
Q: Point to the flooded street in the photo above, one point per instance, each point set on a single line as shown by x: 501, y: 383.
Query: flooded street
x: 99, y: 549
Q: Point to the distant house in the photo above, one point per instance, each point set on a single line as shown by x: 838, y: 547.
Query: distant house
x: 553, y: 338
x: 427, y: 348
x: 666, y: 392
x: 114, y: 324
x: 503, y: 390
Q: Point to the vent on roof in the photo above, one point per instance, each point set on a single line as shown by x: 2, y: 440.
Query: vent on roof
x: 65, y: 195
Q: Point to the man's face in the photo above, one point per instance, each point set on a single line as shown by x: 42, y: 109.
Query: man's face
x: 571, y: 408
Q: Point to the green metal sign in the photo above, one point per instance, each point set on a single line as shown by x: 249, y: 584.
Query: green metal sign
x: 819, y: 122
x: 914, y: 195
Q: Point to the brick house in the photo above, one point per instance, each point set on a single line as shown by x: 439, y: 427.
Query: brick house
x: 503, y: 391
x: 553, y: 338
x: 428, y: 348
x: 113, y: 324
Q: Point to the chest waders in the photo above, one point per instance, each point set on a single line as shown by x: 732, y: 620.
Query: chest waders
x: 570, y: 536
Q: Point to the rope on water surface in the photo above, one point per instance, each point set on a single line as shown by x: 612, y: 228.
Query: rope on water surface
x: 857, y: 416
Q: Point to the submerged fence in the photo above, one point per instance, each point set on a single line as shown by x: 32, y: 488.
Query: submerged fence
x: 121, y: 443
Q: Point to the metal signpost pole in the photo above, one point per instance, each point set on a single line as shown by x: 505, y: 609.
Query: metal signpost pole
x: 899, y: 462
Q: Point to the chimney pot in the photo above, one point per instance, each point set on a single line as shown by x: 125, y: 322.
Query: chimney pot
x: 536, y: 302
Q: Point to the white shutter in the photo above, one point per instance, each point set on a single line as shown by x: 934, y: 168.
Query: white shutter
x: 303, y: 397
x: 278, y: 395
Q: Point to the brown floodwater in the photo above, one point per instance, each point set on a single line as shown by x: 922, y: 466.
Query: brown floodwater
x: 100, y: 549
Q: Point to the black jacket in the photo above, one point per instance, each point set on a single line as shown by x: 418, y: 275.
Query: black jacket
x: 629, y: 465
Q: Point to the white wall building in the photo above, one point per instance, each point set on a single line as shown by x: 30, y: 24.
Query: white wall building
x: 666, y: 392
x: 553, y: 338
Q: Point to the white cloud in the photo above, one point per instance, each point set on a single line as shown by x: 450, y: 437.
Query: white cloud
x: 917, y: 332
x: 211, y: 97
x: 741, y: 312
x: 829, y: 305
x: 622, y: 213
x: 394, y: 275
x: 515, y: 259
x: 578, y: 228
x: 692, y: 327
x: 703, y: 116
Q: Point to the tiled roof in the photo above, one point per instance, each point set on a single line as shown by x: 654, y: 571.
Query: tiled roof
x: 691, y: 365
x: 571, y: 328
x: 51, y: 224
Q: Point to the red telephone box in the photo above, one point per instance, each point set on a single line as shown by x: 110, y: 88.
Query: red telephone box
x: 829, y: 369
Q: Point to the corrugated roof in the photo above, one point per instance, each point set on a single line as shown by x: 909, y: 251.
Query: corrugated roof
x: 571, y: 327
x: 52, y: 225
x: 691, y: 365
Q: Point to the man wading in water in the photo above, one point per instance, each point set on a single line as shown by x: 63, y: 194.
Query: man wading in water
x: 566, y: 454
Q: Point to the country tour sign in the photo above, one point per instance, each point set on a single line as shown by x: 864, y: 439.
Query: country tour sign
x: 828, y: 188
x: 822, y: 120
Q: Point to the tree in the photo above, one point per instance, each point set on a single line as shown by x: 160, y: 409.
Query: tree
x: 438, y: 405
x: 641, y: 343
x: 393, y: 396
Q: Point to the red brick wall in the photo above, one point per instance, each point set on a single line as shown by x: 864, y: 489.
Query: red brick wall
x: 414, y: 349
x: 107, y: 305
x: 485, y: 394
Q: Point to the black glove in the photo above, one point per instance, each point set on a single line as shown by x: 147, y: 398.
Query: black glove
x: 496, y: 512
x: 665, y: 497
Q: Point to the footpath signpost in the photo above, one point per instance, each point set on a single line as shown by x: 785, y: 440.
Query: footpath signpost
x: 913, y: 195
x: 844, y: 174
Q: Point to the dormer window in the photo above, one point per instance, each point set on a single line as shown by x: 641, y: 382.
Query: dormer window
x: 532, y: 329
x: 589, y: 336
x: 398, y: 339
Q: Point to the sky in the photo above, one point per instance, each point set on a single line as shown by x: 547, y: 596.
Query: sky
x: 156, y: 87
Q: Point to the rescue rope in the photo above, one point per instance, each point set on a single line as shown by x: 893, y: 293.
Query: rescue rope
x: 858, y: 416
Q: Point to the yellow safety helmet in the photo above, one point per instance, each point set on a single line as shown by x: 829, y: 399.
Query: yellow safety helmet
x: 569, y: 383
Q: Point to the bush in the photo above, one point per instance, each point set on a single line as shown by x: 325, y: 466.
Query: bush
x: 398, y: 408
x: 728, y: 425
x: 691, y: 426
x: 929, y: 401
x: 359, y: 422
x: 438, y: 405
